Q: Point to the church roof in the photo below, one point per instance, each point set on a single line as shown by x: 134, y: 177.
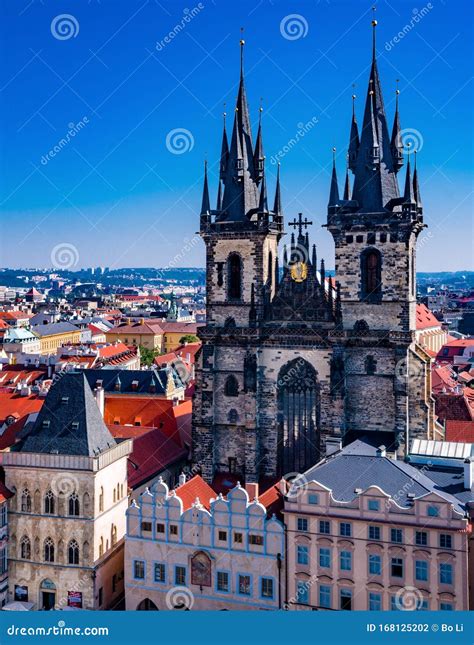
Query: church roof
x: 70, y: 422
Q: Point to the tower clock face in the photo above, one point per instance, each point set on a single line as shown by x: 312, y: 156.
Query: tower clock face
x: 299, y: 271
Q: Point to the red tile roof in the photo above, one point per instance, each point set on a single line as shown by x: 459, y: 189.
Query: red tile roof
x: 152, y: 453
x: 273, y: 499
x: 462, y: 431
x: 195, y: 488
x: 425, y: 318
x: 5, y: 493
x: 136, y: 328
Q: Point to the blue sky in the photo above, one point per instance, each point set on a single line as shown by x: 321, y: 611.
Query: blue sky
x: 122, y: 198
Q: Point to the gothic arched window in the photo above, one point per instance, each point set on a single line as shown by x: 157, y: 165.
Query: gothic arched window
x: 49, y: 503
x: 73, y: 552
x: 234, y: 276
x: 73, y: 504
x: 48, y: 550
x: 233, y: 416
x: 371, y: 272
x: 113, y: 535
x: 370, y: 364
x: 25, y: 548
x: 25, y: 501
x: 231, y: 386
x: 298, y: 417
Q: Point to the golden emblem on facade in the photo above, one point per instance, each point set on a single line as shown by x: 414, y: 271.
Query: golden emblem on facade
x: 299, y: 271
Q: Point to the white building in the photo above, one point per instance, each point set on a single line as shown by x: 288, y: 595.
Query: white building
x: 191, y: 549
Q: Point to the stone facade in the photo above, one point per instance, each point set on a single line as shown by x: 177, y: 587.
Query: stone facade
x: 291, y: 359
x: 66, y: 526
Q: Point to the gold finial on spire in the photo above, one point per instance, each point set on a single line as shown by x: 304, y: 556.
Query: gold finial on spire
x: 374, y: 22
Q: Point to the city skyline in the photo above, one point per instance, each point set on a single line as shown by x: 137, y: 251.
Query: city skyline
x: 112, y: 191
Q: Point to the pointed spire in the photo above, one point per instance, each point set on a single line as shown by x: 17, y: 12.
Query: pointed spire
x: 347, y: 186
x: 277, y: 272
x: 240, y: 188
x: 277, y: 204
x: 219, y: 197
x: 323, y: 277
x: 206, y: 205
x: 416, y: 186
x: 258, y: 156
x: 375, y: 181
x: 292, y: 248
x: 354, y: 142
x: 334, y: 192
x: 396, y: 143
x: 263, y: 202
x: 224, y: 149
x: 285, y: 257
x: 314, y: 260
x: 408, y: 195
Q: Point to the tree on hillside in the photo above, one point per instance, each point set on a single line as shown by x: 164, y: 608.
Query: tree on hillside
x: 188, y: 338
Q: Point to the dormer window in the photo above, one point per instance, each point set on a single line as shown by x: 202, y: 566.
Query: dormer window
x: 46, y: 423
x: 64, y: 400
x: 75, y: 425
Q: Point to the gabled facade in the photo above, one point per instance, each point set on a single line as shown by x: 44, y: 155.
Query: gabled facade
x: 192, y: 549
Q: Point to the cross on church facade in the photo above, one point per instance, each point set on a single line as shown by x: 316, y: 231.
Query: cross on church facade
x: 300, y: 223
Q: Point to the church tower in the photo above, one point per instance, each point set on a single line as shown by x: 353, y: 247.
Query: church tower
x: 375, y: 230
x: 241, y: 236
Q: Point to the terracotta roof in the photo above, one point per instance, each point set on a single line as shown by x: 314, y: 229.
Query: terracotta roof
x: 5, y: 493
x: 443, y: 376
x: 14, y: 315
x: 194, y: 488
x: 107, y: 351
x: 150, y: 412
x: 12, y: 404
x: 462, y: 431
x: 425, y: 318
x: 128, y: 432
x: 152, y: 453
x: 273, y: 499
x: 136, y: 328
x: 179, y: 328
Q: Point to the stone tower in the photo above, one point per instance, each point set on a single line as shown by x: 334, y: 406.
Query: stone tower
x: 241, y: 237
x: 375, y: 231
x: 293, y: 360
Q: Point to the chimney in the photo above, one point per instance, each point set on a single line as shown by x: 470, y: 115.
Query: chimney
x: 381, y: 451
x: 333, y: 445
x: 252, y: 490
x: 99, y: 394
x: 182, y: 479
x: 468, y: 474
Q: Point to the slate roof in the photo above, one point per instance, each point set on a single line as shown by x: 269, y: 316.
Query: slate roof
x: 145, y: 380
x: 54, y: 328
x: 69, y: 402
x: 359, y: 466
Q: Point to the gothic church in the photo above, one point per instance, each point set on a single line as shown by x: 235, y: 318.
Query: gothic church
x: 292, y: 360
